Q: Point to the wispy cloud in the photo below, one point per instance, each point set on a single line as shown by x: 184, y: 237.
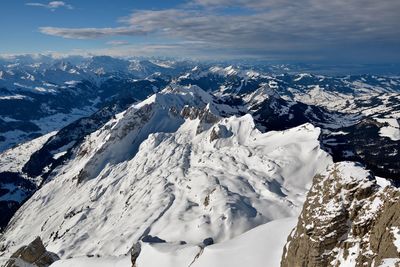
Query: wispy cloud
x: 90, y: 33
x: 117, y: 42
x: 251, y: 4
x: 52, y: 5
x: 265, y: 27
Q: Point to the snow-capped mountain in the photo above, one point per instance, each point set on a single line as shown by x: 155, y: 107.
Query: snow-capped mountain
x: 42, y: 94
x: 181, y: 169
x: 353, y: 110
x: 179, y: 163
x: 269, y: 110
x: 37, y: 98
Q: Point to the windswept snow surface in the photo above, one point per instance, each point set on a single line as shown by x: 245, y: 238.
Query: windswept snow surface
x: 153, y: 171
x: 123, y: 261
x: 261, y: 246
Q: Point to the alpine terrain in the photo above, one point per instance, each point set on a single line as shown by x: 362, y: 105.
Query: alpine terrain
x: 111, y: 161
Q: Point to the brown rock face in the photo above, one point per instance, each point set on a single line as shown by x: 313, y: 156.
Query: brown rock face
x: 347, y: 220
x: 206, y: 117
x: 34, y: 254
x: 135, y: 252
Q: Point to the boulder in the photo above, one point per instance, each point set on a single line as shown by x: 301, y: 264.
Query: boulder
x: 34, y: 254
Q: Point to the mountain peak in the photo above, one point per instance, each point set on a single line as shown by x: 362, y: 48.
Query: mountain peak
x: 345, y: 221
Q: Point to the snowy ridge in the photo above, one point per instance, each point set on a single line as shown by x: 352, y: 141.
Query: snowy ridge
x: 197, y: 72
x: 180, y: 184
x: 262, y: 94
x: 14, y: 158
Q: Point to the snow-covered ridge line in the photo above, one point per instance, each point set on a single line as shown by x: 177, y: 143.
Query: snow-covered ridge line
x: 188, y: 178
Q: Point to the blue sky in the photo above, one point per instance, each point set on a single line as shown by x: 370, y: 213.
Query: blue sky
x: 20, y: 23
x: 364, y: 31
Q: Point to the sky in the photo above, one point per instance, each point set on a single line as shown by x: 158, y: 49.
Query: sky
x: 354, y: 31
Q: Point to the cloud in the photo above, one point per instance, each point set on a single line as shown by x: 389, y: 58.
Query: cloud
x: 242, y: 3
x: 117, y: 42
x: 176, y: 50
x: 53, y: 5
x: 90, y: 33
x: 314, y: 28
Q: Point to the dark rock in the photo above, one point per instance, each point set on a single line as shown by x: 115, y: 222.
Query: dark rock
x: 214, y: 135
x: 152, y: 239
x: 208, y: 241
x: 220, y: 131
x: 135, y: 252
x: 34, y: 254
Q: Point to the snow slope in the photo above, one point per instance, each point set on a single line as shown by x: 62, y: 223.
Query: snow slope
x: 261, y: 246
x: 45, y: 126
x: 164, y: 170
x: 392, y: 130
x: 11, y: 161
x: 14, y: 158
x: 123, y: 261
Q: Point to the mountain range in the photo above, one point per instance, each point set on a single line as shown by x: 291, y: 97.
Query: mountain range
x: 157, y: 162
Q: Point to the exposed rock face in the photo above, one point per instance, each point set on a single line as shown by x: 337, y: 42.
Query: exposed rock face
x: 219, y: 131
x: 208, y: 241
x: 347, y: 220
x: 34, y: 254
x: 206, y: 119
x: 135, y: 252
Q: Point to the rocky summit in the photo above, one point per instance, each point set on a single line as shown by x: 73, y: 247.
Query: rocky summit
x: 348, y: 219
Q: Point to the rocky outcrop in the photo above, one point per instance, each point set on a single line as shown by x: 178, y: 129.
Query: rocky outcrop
x: 347, y: 220
x: 34, y: 254
x: 135, y: 252
x: 220, y: 131
x: 206, y: 117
